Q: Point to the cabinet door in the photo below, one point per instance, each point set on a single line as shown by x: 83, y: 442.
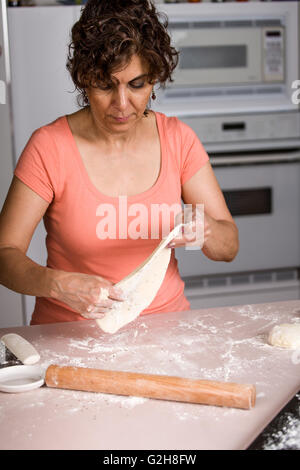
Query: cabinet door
x: 41, y: 87
x: 11, y: 313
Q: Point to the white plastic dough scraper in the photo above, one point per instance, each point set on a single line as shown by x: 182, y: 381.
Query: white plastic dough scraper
x: 17, y: 370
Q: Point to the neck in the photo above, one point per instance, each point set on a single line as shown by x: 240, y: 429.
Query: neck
x: 114, y: 139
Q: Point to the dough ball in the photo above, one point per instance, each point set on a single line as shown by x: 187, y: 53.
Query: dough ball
x: 286, y: 336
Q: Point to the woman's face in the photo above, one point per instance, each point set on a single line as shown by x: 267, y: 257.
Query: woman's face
x: 119, y: 105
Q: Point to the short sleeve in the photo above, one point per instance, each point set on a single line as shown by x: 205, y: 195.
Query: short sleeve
x: 37, y: 166
x: 193, y: 154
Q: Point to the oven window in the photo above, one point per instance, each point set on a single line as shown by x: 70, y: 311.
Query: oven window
x: 210, y: 57
x: 249, y: 201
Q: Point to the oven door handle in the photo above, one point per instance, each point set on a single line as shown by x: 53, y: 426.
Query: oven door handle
x: 255, y: 158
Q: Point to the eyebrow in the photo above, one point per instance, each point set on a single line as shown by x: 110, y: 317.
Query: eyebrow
x: 140, y: 76
x: 133, y: 79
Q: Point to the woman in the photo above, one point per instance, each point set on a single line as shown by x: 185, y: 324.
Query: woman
x: 84, y: 166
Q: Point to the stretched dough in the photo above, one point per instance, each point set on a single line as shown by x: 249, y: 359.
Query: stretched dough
x: 140, y: 287
x: 286, y: 335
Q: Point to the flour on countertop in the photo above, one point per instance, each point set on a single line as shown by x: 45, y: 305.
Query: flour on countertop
x: 288, y: 437
x: 195, y: 348
x: 231, y: 346
x: 186, y: 350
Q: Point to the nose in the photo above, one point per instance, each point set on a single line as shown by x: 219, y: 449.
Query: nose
x: 121, y: 98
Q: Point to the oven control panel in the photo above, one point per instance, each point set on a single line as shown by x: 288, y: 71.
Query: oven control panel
x: 222, y: 131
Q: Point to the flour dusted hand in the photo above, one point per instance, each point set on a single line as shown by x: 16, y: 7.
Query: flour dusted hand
x: 91, y: 296
x: 195, y: 230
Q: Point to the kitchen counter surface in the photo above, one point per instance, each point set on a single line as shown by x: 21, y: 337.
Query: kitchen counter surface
x: 223, y: 344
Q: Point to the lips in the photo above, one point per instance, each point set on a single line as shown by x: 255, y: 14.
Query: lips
x: 121, y: 118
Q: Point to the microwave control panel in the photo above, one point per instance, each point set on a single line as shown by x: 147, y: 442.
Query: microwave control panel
x: 273, y: 54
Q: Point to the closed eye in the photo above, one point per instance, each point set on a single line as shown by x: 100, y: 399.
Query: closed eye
x: 137, y: 84
x: 105, y: 86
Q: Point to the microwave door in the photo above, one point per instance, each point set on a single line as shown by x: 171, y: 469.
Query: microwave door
x: 211, y: 56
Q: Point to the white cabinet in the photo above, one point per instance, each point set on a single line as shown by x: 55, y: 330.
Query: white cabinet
x: 41, y: 91
x: 11, y: 312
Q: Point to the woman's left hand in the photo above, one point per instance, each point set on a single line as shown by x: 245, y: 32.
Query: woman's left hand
x: 194, y: 233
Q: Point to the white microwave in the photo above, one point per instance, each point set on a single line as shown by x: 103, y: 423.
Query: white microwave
x: 229, y: 52
x: 234, y: 82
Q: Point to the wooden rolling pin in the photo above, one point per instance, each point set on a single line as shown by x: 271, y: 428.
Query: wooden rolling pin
x: 152, y: 386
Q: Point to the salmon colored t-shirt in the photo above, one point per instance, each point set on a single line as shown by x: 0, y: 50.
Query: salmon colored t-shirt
x: 78, y: 240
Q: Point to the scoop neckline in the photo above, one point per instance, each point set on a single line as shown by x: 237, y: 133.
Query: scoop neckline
x: 145, y: 194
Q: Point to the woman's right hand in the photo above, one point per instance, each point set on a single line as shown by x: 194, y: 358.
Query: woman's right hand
x: 85, y: 293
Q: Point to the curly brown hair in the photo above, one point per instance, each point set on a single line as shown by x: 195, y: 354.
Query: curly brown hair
x: 109, y: 33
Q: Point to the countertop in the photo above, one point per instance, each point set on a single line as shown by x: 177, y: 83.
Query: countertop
x: 223, y: 344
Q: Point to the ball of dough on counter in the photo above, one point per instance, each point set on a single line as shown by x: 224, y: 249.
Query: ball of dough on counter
x: 286, y: 336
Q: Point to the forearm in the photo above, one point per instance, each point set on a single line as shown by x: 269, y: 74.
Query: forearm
x: 223, y: 243
x: 21, y: 274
